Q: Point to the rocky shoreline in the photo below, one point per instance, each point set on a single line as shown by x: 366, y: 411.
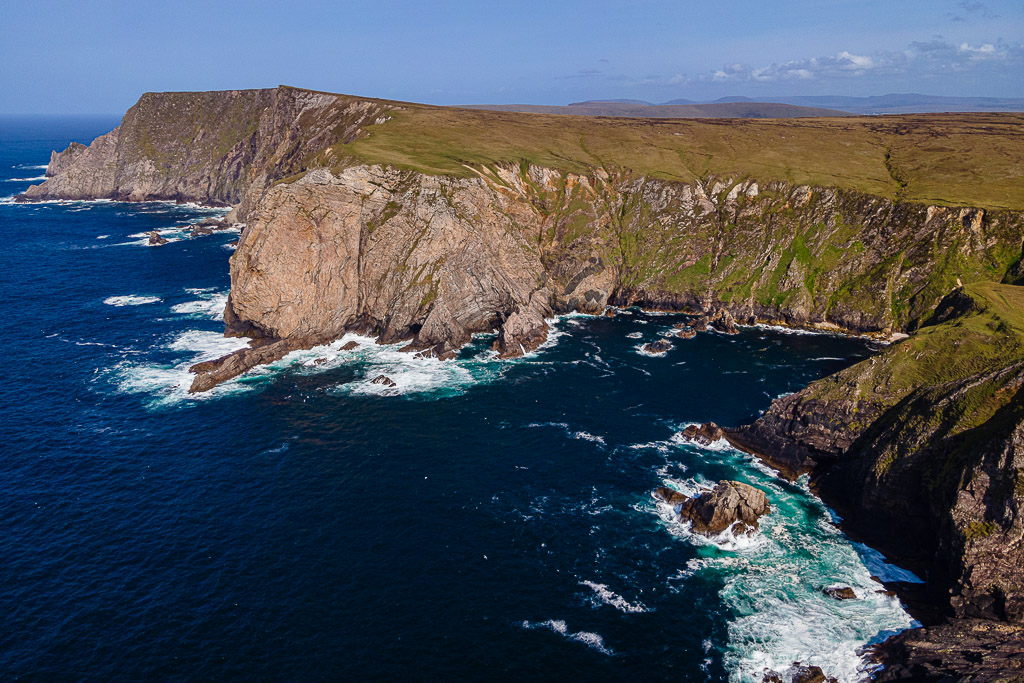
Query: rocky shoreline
x: 924, y: 442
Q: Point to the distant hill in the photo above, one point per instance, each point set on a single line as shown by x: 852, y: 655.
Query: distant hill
x: 591, y: 102
x: 893, y: 103
x: 773, y: 107
x: 722, y: 110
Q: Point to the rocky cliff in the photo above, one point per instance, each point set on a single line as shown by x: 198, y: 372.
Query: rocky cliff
x: 923, y: 445
x: 219, y: 148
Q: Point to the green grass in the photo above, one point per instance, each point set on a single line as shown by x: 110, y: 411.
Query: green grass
x: 952, y: 159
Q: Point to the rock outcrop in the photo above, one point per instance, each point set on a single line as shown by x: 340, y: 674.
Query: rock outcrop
x: 957, y: 650
x: 729, y: 505
x: 658, y: 347
x: 703, y: 434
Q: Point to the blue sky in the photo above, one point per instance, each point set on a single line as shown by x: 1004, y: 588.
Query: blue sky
x: 58, y: 56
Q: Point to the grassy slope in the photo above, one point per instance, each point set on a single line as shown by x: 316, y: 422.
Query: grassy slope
x: 952, y: 159
x: 992, y: 336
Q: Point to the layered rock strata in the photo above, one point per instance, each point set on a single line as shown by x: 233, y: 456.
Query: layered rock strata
x: 335, y: 243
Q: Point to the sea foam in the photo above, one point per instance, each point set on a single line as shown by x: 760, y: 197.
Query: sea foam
x: 131, y: 300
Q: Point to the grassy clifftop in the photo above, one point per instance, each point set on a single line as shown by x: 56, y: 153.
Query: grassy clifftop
x: 951, y: 159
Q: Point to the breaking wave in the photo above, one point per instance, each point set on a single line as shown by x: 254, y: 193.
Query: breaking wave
x: 604, y: 596
x: 558, y: 626
x: 773, y: 579
x: 131, y: 300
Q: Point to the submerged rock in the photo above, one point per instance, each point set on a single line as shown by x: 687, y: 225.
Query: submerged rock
x: 840, y: 592
x: 728, y: 504
x: 798, y: 674
x: 659, y: 347
x: 809, y: 674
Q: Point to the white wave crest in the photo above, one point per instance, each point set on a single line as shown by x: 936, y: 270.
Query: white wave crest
x: 131, y: 300
x: 876, y: 563
x: 608, y: 597
x: 25, y: 180
x: 558, y: 626
x: 571, y: 433
x: 168, y: 384
x: 209, y: 306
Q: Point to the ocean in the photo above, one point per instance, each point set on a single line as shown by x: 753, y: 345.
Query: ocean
x: 483, y: 519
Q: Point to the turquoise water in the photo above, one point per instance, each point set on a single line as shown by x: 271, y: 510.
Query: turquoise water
x: 483, y: 519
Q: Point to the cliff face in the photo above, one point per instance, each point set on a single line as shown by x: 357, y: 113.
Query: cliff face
x: 433, y: 259
x: 924, y: 444
x: 213, y: 147
x: 335, y: 243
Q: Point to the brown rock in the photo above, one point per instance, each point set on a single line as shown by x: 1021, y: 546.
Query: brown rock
x: 610, y: 313
x: 724, y: 322
x: 383, y: 379
x: 686, y: 333
x: 260, y: 352
x: 704, y: 434
x: 155, y: 239
x: 840, y: 592
x: 728, y: 503
x: 349, y: 346
x: 700, y: 324
x: 670, y: 496
x: 809, y: 674
x: 659, y: 347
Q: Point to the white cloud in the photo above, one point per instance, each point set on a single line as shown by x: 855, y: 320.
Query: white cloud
x: 932, y: 57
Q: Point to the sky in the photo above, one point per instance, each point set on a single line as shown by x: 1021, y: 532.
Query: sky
x: 98, y: 56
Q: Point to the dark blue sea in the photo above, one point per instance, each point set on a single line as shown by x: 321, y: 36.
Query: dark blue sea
x: 484, y: 520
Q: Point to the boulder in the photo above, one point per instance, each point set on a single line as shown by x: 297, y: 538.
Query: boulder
x: 729, y: 503
x: 703, y: 434
x: 350, y: 346
x: 659, y: 347
x: 155, y: 239
x: 383, y: 379
x: 724, y: 322
x: 686, y: 333
x: 700, y: 324
x: 809, y: 674
x: 840, y: 592
x: 610, y: 313
x: 199, y: 229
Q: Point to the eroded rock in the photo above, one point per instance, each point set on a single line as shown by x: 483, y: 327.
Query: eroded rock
x: 384, y: 380
x: 839, y: 592
x: 658, y: 347
x: 703, y: 434
x: 155, y: 239
x: 730, y: 504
